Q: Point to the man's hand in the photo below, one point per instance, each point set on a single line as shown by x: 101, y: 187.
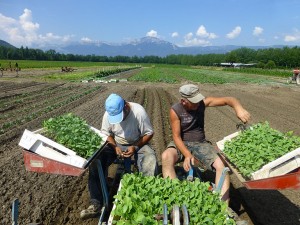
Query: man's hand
x: 129, y: 151
x: 243, y: 115
x: 119, y: 151
x: 187, y: 162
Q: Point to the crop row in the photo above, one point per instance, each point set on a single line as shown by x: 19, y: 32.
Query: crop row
x: 21, y: 99
x: 112, y: 70
x: 27, y: 98
x: 37, y: 102
x: 12, y: 86
x: 155, y: 75
x: 171, y: 75
x: 49, y: 106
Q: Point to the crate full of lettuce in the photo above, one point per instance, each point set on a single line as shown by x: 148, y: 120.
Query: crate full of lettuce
x: 260, y: 151
x: 66, y: 138
x: 140, y: 198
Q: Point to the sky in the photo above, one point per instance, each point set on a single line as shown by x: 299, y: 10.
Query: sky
x: 38, y: 23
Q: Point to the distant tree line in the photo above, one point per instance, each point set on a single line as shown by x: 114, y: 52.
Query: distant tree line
x: 287, y: 57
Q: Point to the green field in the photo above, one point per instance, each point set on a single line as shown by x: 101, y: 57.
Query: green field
x: 201, y: 75
x: 151, y: 72
x: 33, y: 64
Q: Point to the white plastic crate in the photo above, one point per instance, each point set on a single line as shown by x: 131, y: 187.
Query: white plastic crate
x: 43, y: 146
x: 111, y: 217
x: 280, y: 166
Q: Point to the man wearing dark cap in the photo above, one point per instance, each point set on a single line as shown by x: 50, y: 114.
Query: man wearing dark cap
x: 129, y: 131
x: 189, y: 143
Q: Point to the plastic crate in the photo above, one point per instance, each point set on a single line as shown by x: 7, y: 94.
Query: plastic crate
x: 45, y: 147
x: 283, y: 165
x: 111, y: 217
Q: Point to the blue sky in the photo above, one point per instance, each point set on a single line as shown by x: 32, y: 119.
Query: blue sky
x: 184, y: 23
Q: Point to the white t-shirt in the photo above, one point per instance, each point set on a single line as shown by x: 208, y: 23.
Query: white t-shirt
x: 136, y: 125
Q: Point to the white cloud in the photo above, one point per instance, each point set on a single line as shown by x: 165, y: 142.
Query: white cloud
x: 293, y: 37
x: 257, y: 31
x: 196, y: 42
x: 6, y: 22
x: 24, y: 32
x: 86, y: 40
x: 152, y: 33
x: 8, y: 26
x: 235, y: 33
x: 201, y: 38
x: 201, y: 32
x: 189, y: 36
x: 26, y: 21
x: 175, y: 34
x: 190, y: 40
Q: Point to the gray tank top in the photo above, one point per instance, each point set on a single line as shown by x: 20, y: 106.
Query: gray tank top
x: 191, y: 122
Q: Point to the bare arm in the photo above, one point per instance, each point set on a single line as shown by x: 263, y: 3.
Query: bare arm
x: 144, y: 140
x: 241, y: 113
x: 176, y: 130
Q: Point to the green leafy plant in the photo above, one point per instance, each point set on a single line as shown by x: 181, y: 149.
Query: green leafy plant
x: 74, y: 133
x: 257, y: 146
x: 141, y: 197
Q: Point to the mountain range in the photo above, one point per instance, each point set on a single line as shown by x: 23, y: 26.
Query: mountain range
x: 146, y: 46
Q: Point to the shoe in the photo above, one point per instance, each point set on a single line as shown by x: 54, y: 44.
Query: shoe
x: 233, y: 215
x: 241, y: 222
x: 92, y: 211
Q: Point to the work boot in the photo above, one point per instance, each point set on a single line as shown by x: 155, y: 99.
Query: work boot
x: 92, y: 211
x: 233, y: 215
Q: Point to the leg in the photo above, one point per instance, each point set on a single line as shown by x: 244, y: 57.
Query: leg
x: 169, y: 158
x: 107, y: 156
x: 206, y: 154
x: 219, y: 166
x: 146, y: 161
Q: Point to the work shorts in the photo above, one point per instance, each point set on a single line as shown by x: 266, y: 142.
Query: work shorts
x: 204, y: 152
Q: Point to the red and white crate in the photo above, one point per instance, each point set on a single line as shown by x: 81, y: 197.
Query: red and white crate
x: 42, y: 154
x: 282, y: 173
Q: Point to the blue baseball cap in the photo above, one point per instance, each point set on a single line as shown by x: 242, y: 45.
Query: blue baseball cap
x: 114, y: 105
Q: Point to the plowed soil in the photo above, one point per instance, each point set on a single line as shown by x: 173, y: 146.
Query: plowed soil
x: 58, y: 199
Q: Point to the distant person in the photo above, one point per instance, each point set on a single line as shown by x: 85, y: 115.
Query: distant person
x: 1, y: 69
x: 17, y: 69
x: 296, y: 72
x: 129, y: 131
x: 9, y: 66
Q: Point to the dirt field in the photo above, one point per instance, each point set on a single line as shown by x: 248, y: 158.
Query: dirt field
x: 57, y: 199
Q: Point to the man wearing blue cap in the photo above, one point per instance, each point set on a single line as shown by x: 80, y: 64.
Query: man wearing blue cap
x: 129, y: 131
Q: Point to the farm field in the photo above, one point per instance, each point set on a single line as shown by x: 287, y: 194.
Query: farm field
x: 26, y: 101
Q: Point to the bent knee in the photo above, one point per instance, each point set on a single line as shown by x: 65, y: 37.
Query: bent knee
x: 169, y: 156
x: 218, y: 164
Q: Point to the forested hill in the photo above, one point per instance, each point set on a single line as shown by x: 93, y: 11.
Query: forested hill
x: 274, y: 57
x: 5, y: 44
